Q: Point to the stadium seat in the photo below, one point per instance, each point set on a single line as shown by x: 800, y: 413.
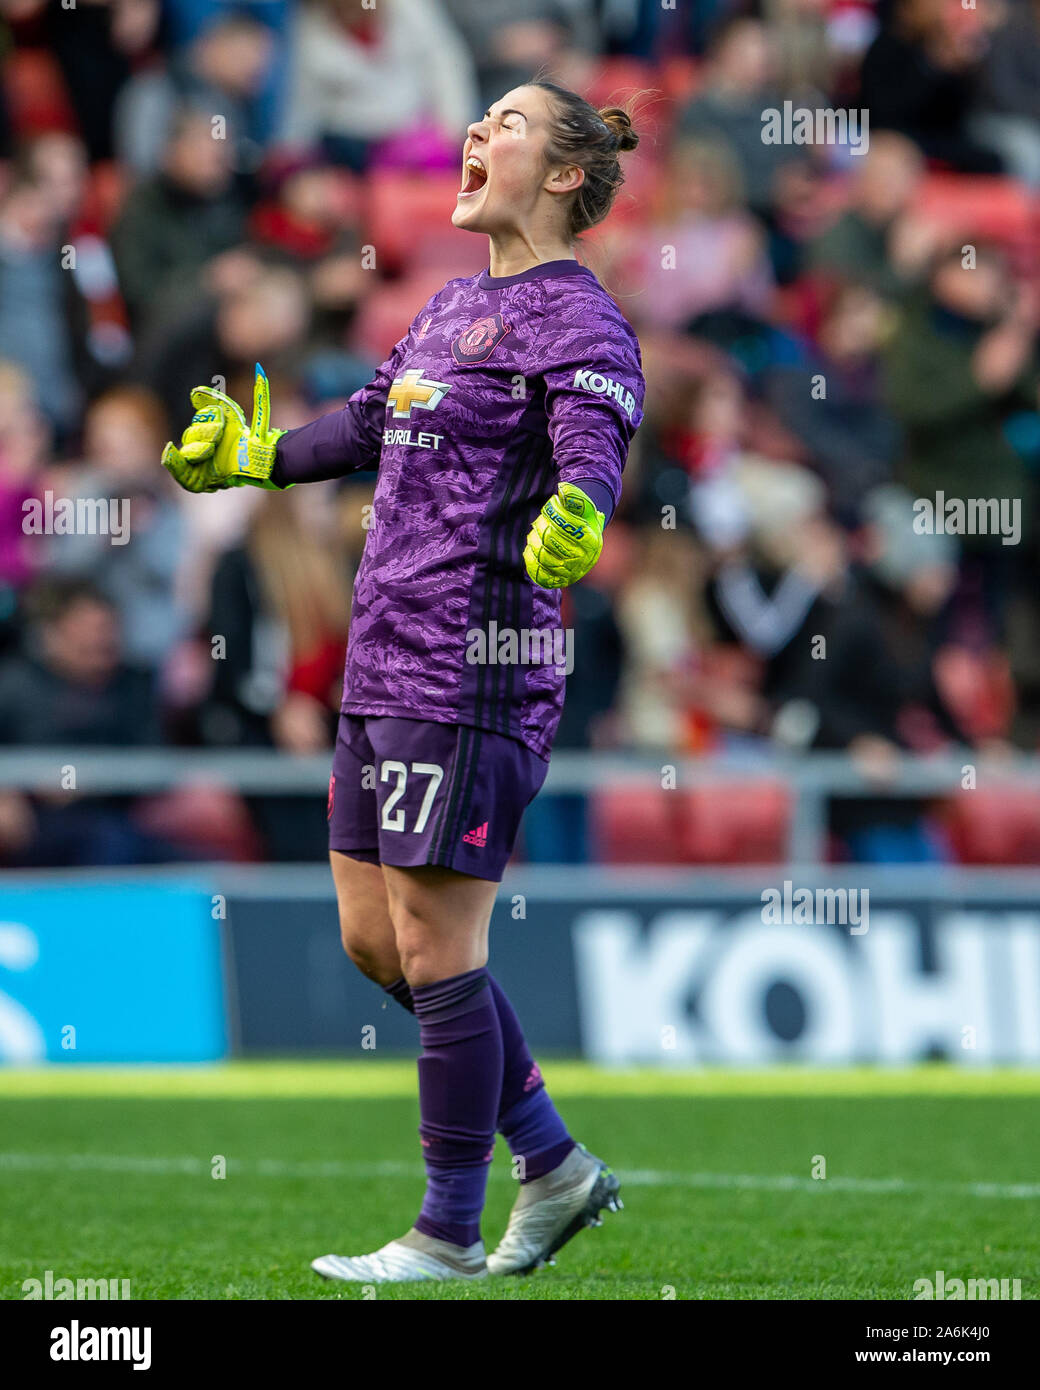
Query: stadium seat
x: 405, y: 209
x: 641, y: 193
x: 679, y: 78
x: 385, y: 315
x: 203, y: 820
x: 992, y: 209
x: 636, y: 825
x: 995, y: 825
x: 615, y: 80
x: 443, y: 250
x: 35, y: 93
x: 740, y: 823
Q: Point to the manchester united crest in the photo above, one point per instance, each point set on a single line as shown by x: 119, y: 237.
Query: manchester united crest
x: 479, y: 340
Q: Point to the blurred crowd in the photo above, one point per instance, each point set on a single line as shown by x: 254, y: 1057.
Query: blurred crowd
x: 829, y: 333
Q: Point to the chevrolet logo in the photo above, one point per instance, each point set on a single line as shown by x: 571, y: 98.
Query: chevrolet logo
x: 411, y: 390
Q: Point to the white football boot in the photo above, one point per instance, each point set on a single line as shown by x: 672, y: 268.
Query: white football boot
x: 413, y: 1256
x: 550, y: 1210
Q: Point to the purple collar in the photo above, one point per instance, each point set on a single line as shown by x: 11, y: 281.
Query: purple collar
x: 548, y: 270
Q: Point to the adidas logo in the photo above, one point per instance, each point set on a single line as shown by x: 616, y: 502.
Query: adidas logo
x: 476, y: 837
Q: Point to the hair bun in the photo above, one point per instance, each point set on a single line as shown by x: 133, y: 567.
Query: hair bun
x: 620, y: 124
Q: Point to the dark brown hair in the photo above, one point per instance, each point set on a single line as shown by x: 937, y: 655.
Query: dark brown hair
x: 592, y: 140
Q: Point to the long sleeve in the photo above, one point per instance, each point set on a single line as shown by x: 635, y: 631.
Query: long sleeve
x: 344, y: 440
x: 593, y: 395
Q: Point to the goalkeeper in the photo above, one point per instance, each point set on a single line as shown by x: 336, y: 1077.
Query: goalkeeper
x: 220, y: 450
x: 499, y: 425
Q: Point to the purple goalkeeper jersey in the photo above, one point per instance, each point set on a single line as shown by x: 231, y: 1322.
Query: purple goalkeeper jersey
x: 501, y: 389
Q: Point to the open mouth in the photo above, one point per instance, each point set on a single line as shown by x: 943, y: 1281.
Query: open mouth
x: 475, y: 177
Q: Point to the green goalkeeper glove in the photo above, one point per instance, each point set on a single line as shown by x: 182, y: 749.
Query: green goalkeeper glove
x: 565, y: 540
x: 219, y: 449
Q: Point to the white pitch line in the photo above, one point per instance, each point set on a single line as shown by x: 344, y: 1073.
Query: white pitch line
x: 636, y: 1177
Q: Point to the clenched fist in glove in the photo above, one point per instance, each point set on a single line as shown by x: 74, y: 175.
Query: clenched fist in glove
x: 565, y: 540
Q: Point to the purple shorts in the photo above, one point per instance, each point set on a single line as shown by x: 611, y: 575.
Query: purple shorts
x: 410, y: 791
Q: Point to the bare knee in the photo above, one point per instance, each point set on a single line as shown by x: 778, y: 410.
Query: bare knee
x: 365, y: 928
x: 440, y: 921
x: 371, y: 957
x: 426, y: 956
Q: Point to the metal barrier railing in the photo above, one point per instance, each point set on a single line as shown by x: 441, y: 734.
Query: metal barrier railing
x: 811, y: 779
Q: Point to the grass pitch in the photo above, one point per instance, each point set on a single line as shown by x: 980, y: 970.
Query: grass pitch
x: 110, y: 1174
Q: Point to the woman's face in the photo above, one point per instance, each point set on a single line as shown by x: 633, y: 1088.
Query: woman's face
x: 118, y: 437
x: 504, y: 173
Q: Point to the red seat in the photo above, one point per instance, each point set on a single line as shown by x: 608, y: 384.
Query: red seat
x: 385, y: 315
x: 991, y: 209
x: 37, y: 98
x: 679, y: 78
x: 204, y: 819
x: 655, y: 96
x: 995, y: 825
x: 440, y: 249
x: 403, y: 209
x: 613, y: 81
x: 636, y: 825
x: 739, y: 823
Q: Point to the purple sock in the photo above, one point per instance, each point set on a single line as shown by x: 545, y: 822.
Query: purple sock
x: 400, y: 991
x: 527, y: 1118
x: 460, y: 1084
